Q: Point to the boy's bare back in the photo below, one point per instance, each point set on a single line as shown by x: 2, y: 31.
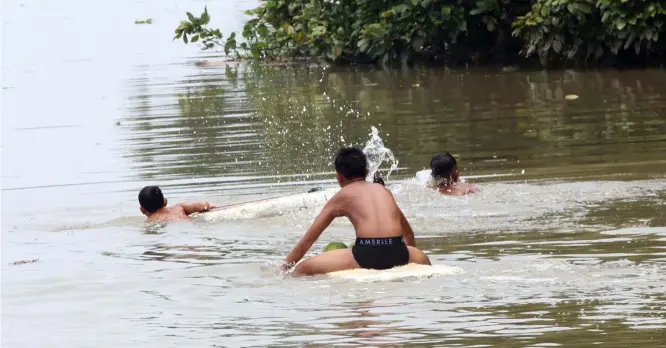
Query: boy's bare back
x: 175, y: 212
x: 371, y: 208
x: 384, y: 238
x: 154, y: 206
x: 458, y: 189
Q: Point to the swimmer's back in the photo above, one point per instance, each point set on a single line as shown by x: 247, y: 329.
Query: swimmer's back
x: 372, y: 210
x: 176, y: 212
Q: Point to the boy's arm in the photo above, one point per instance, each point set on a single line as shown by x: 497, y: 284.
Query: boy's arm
x: 321, y: 222
x: 407, y: 230
x: 473, y: 189
x: 196, y: 207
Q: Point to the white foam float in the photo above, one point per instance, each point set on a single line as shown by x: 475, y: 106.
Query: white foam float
x: 270, y: 206
x: 407, y: 272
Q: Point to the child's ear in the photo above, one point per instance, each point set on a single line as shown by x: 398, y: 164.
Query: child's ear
x: 165, y: 202
x: 339, y: 177
x: 143, y: 211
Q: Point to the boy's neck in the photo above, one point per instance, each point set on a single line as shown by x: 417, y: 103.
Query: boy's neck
x: 160, y: 210
x: 347, y: 182
x: 447, y: 184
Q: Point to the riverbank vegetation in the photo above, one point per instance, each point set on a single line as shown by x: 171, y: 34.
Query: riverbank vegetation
x: 578, y: 33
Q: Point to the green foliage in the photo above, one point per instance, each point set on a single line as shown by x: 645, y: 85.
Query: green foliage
x: 458, y: 31
x: 494, y: 12
x: 583, y: 29
x: 637, y: 23
x: 195, y: 30
x: 561, y: 28
x: 144, y: 21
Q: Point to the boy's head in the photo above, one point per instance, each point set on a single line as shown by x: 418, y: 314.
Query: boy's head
x: 151, y: 200
x: 350, y: 164
x: 444, y: 169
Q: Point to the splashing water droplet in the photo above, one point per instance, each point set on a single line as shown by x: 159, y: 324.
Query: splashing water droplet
x: 376, y: 153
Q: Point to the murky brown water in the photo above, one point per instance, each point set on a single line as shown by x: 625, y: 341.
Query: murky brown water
x: 564, y: 246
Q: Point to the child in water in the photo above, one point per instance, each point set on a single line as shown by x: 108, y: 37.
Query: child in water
x: 154, y: 206
x: 444, y: 172
x: 384, y: 238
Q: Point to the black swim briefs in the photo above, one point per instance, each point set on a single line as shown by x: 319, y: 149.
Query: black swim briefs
x: 380, y: 253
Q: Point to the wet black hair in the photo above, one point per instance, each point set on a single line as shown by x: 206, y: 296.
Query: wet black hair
x: 443, y: 165
x: 351, y: 163
x: 151, y: 198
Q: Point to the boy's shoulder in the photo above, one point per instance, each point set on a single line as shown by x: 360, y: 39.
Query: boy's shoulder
x: 468, y: 188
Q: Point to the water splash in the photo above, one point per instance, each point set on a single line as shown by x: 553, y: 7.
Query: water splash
x: 376, y: 153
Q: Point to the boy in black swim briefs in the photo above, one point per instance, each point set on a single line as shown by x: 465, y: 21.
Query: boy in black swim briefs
x: 384, y: 238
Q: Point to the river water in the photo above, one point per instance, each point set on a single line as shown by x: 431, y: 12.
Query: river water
x: 564, y: 246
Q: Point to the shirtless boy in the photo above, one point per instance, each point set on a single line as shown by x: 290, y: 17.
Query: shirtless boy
x: 154, y: 206
x: 444, y: 171
x: 384, y: 238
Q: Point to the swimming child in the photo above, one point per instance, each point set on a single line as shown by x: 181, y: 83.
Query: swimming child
x: 154, y: 206
x: 444, y: 172
x: 384, y: 238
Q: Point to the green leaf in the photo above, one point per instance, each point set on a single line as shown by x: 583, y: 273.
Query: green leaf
x: 400, y: 8
x: 446, y: 11
x: 557, y: 46
x: 491, y: 26
x: 474, y: 12
x: 462, y: 26
x: 605, y: 16
x: 417, y: 43
x: 545, y: 10
x: 185, y: 38
x: 319, y: 30
x: 363, y: 44
x: 205, y: 18
x: 621, y: 23
x: 415, y: 2
x: 183, y: 26
x: 191, y: 17
x: 337, y: 51
x: 195, y: 38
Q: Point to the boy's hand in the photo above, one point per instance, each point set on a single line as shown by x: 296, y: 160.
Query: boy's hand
x: 285, y: 266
